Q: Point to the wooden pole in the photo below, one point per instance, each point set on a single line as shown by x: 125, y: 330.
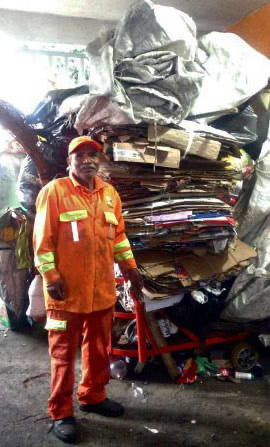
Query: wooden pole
x: 161, y: 342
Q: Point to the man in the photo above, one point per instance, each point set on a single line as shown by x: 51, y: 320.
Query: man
x: 78, y: 234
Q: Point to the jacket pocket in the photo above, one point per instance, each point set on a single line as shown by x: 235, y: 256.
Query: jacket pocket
x: 74, y: 224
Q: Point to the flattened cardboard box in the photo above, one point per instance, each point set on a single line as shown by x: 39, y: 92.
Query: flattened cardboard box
x: 204, y: 267
x: 202, y: 147
x: 166, y: 157
x: 157, y: 263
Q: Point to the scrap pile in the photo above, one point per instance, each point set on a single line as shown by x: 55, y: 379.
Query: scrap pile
x: 149, y: 100
x: 174, y: 114
x: 173, y: 201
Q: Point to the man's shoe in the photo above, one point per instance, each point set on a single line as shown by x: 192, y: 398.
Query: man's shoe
x: 107, y: 407
x: 65, y: 429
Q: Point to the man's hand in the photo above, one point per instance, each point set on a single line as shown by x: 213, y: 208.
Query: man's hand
x: 136, y: 282
x: 56, y: 290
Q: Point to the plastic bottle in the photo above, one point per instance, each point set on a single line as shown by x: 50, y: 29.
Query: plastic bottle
x: 199, y: 296
x: 226, y: 372
x: 118, y: 369
x: 212, y: 374
x: 167, y: 327
x: 244, y: 375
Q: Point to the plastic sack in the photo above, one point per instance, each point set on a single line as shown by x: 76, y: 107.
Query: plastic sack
x: 195, y: 316
x: 28, y: 185
x: 59, y: 133
x: 72, y: 104
x: 3, y: 315
x: 234, y: 71
x: 13, y: 281
x: 243, y: 164
x: 144, y: 71
x: 55, y: 158
x: 261, y: 105
x: 36, y: 308
x: 248, y: 299
x: 242, y: 126
x: 48, y: 108
x: 22, y: 248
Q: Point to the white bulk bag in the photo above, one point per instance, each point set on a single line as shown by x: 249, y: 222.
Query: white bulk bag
x: 36, y: 309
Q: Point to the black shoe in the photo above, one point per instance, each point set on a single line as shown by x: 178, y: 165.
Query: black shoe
x: 107, y: 407
x: 65, y: 429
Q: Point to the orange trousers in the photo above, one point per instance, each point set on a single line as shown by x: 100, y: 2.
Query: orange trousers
x: 94, y: 329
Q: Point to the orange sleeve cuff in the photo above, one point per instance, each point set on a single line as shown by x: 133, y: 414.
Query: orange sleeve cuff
x: 128, y: 264
x: 50, y: 276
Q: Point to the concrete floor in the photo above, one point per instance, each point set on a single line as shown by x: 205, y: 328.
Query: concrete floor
x: 207, y: 413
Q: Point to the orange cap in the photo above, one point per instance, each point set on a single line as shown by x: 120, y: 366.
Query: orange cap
x: 79, y: 141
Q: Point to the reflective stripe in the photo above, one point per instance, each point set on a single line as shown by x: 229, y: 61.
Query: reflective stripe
x: 45, y: 257
x: 56, y: 325
x: 123, y: 244
x: 124, y: 256
x: 46, y: 267
x: 110, y: 218
x: 69, y: 216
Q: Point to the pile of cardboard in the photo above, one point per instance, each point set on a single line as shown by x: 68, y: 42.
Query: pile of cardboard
x: 172, y: 184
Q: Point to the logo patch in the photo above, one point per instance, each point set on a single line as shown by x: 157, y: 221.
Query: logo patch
x: 109, y: 201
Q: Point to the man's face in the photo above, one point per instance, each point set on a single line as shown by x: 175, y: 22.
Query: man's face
x: 84, y: 163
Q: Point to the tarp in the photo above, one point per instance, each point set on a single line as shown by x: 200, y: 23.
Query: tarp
x: 233, y: 70
x: 143, y: 71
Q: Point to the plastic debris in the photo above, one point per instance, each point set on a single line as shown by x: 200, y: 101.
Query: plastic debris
x: 199, y: 296
x: 189, y: 373
x: 205, y: 367
x: 152, y: 430
x: 139, y: 393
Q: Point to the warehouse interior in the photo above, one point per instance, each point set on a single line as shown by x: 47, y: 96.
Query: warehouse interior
x: 177, y: 95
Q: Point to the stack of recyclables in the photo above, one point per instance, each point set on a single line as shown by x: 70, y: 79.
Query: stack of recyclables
x: 179, y: 219
x: 151, y: 99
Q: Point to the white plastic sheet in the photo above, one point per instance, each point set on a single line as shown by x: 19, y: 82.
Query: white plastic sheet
x: 72, y: 104
x: 234, y: 71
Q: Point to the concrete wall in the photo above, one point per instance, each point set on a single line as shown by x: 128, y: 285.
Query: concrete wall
x: 50, y: 28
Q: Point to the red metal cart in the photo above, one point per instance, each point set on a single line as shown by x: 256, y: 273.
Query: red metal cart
x: 147, y: 346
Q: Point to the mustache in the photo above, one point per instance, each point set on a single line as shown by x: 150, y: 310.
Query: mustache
x: 84, y: 167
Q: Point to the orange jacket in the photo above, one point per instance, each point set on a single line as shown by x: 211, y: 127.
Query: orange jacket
x: 78, y: 234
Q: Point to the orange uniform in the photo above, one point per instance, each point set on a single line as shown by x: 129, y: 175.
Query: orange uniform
x: 78, y: 235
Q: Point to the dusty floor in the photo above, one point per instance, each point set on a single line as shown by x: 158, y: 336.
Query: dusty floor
x: 208, y: 413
